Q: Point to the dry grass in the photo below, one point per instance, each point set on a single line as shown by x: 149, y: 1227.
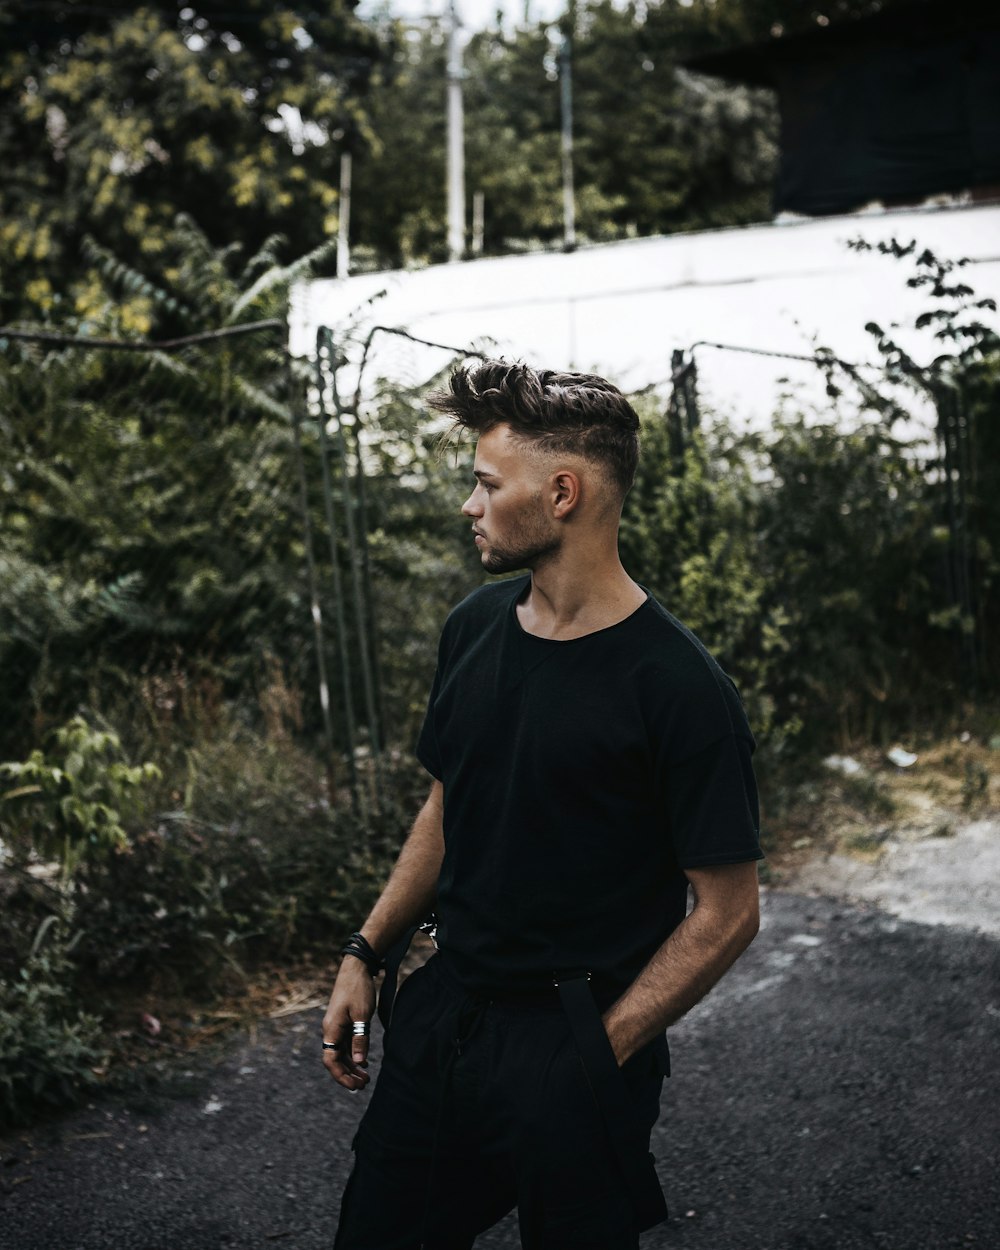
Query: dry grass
x: 954, y: 780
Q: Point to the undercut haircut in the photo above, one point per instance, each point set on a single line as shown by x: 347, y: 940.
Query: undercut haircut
x: 564, y: 413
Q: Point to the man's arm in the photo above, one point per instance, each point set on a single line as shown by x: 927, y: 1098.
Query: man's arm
x: 720, y: 926
x: 406, y: 900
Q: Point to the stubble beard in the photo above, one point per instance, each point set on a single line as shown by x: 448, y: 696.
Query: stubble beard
x: 510, y: 559
x: 531, y: 547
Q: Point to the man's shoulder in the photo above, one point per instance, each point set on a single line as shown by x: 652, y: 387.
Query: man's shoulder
x: 487, y: 601
x: 671, y: 641
x: 678, y: 669
x: 485, y: 606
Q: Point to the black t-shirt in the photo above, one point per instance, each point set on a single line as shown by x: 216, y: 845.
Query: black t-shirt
x: 580, y: 778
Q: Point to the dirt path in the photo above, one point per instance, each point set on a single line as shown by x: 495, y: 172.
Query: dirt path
x: 838, y: 1091
x: 950, y: 880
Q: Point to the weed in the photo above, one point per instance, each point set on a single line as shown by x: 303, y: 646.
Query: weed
x: 868, y: 840
x: 51, y: 1050
x: 868, y: 793
x: 975, y: 783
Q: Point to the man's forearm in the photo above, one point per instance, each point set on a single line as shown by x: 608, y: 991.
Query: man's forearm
x: 720, y: 927
x: 409, y: 894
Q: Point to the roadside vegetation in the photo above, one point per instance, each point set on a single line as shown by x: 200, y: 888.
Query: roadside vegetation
x: 176, y: 833
x: 173, y: 826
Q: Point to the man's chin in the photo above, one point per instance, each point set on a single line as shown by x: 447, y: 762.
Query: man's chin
x: 497, y: 567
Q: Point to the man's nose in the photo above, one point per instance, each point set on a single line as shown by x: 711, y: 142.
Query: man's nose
x: 471, y: 508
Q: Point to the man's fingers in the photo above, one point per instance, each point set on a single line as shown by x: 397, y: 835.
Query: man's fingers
x: 347, y: 1059
x: 344, y: 1071
x: 359, y: 1048
x: 347, y: 1024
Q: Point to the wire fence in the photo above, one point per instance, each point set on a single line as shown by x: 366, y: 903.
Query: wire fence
x: 193, y: 529
x: 208, y: 522
x: 876, y: 389
x: 153, y: 523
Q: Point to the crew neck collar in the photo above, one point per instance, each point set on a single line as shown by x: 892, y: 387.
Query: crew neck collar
x: 563, y: 642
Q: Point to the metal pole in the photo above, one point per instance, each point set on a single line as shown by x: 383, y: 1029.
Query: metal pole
x: 478, y: 222
x: 338, y: 587
x: 566, y: 100
x: 352, y: 546
x: 456, y: 142
x: 317, y: 611
x: 344, y: 217
x: 370, y: 601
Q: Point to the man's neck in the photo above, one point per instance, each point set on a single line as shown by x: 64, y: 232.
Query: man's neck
x: 567, y: 601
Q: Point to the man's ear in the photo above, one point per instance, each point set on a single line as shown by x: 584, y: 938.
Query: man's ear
x: 565, y: 493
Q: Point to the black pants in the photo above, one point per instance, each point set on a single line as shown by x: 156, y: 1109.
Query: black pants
x: 483, y: 1106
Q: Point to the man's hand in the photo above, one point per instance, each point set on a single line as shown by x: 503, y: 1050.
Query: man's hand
x: 353, y: 998
x: 720, y: 926
x: 405, y: 901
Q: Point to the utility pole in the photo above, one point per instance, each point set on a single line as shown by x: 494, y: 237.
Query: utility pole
x: 566, y: 101
x: 478, y: 222
x: 344, y: 217
x: 456, y: 141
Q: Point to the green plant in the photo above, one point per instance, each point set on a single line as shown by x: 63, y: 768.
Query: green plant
x: 51, y: 1051
x: 690, y: 532
x: 254, y: 864
x: 867, y: 792
x: 975, y: 783
x: 71, y: 804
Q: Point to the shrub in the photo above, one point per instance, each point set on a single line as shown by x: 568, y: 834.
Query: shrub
x: 690, y: 533
x: 254, y: 864
x: 51, y: 1051
x: 70, y: 804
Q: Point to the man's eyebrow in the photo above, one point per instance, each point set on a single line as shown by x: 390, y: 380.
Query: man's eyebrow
x: 479, y: 474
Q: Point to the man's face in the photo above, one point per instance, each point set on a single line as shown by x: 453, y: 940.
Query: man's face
x: 507, y: 506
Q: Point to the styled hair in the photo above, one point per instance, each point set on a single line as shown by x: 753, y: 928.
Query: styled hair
x: 576, y: 413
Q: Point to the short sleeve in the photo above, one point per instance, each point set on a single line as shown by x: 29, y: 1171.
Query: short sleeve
x: 428, y: 751
x: 428, y: 747
x: 712, y: 805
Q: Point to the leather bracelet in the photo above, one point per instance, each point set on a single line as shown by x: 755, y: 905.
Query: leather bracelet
x: 359, y: 946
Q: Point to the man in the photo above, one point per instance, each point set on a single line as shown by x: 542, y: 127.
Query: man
x: 590, y: 762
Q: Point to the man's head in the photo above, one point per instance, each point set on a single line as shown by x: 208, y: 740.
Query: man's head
x: 559, y: 413
x: 553, y: 447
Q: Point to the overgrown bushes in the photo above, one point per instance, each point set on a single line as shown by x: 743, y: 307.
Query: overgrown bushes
x: 811, y: 559
x: 52, y: 1051
x: 165, y: 811
x: 237, y: 857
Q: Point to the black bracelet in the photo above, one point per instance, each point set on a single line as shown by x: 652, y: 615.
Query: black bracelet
x: 360, y: 948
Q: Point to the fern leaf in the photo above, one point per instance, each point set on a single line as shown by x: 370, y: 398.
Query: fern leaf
x: 281, y: 277
x: 123, y: 278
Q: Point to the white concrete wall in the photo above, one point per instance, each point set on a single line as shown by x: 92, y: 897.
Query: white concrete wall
x: 620, y: 308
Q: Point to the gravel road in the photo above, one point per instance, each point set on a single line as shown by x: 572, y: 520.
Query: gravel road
x: 838, y: 1090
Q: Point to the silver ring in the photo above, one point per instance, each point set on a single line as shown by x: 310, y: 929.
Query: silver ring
x: 331, y: 1045
x: 360, y: 1028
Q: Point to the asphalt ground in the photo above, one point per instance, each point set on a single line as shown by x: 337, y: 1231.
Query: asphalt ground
x: 838, y: 1091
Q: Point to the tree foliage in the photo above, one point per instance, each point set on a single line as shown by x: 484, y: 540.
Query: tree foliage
x: 148, y: 500
x: 655, y: 148
x: 115, y: 119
